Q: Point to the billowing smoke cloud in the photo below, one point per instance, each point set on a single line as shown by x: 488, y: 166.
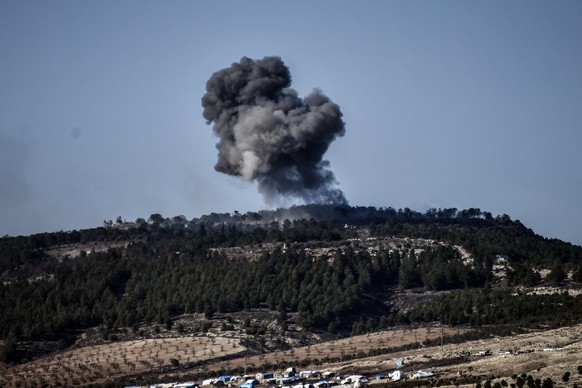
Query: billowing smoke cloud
x: 270, y: 135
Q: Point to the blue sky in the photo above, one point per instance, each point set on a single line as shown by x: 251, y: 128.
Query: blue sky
x: 446, y: 104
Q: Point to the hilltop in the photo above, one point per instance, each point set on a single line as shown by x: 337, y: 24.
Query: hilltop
x: 277, y: 281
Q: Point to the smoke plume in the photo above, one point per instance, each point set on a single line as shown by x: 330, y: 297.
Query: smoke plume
x: 268, y: 134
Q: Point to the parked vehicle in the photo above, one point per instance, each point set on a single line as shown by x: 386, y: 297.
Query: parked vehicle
x: 324, y: 384
x: 353, y: 379
x: 249, y: 383
x: 289, y: 372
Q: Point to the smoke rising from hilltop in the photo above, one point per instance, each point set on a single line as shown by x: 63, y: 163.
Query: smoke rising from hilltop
x: 270, y: 135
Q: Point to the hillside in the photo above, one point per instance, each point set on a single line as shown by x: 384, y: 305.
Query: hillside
x: 286, y: 278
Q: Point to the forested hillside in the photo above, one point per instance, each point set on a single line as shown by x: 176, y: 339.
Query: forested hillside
x: 334, y: 266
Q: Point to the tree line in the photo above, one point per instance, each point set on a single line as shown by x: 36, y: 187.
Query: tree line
x: 169, y: 269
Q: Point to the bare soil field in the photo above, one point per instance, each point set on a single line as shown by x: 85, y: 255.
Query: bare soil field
x: 102, y: 363
x: 74, y: 250
x: 342, y: 347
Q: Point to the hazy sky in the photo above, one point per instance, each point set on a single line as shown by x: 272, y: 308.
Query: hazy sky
x: 446, y: 104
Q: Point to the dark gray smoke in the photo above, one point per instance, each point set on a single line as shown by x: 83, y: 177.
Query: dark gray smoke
x: 268, y: 134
